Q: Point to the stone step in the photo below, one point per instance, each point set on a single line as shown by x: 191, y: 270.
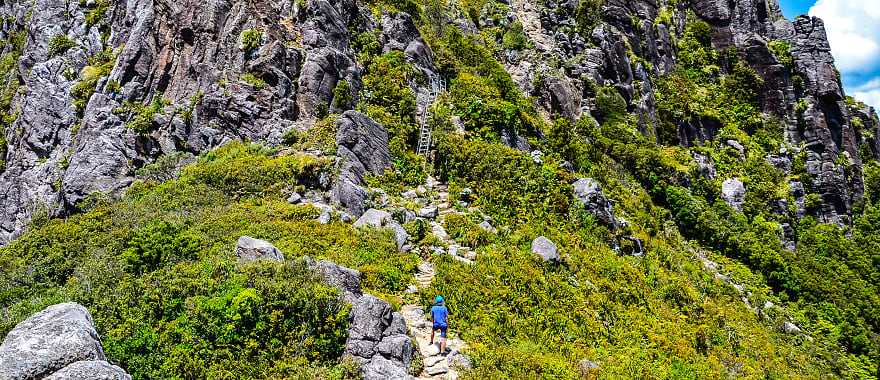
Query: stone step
x: 432, y: 361
x: 436, y: 370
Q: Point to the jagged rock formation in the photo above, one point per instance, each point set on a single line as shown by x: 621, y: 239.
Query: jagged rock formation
x: 362, y: 149
x: 59, y: 342
x: 256, y: 70
x: 377, y: 335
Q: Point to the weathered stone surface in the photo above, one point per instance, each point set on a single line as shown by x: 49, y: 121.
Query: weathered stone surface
x: 348, y: 281
x: 734, y: 193
x: 588, y: 193
x: 362, y: 149
x: 49, y: 341
x: 90, y: 370
x: 588, y: 367
x: 546, y: 249
x: 378, y: 218
x: 373, y: 218
x: 398, y: 348
x: 704, y: 165
x: 381, y: 369
x: 790, y: 328
x: 249, y: 250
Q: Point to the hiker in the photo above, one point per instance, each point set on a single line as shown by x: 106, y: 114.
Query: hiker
x: 440, y: 320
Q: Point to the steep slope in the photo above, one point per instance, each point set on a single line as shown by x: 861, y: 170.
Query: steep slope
x: 711, y: 191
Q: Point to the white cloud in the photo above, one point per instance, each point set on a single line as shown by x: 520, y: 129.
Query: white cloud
x: 869, y: 93
x: 853, y: 28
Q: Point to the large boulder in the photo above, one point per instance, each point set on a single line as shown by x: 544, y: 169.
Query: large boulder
x: 588, y: 193
x: 348, y: 281
x: 48, y: 341
x: 377, y: 339
x: 362, y: 148
x: 546, y: 249
x: 734, y: 193
x: 377, y: 219
x: 381, y: 368
x: 249, y: 250
x: 90, y: 370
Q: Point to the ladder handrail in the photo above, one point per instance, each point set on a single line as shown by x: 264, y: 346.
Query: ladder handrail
x: 436, y: 86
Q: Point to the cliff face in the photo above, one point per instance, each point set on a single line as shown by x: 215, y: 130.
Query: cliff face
x: 102, y: 88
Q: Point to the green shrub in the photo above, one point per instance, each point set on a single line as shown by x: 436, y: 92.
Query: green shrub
x: 156, y: 269
x: 782, y: 51
x: 158, y: 243
x: 465, y: 231
x: 240, y: 169
x: 59, y: 44
x: 342, y: 98
x: 95, y: 15
x: 141, y: 119
x: 588, y: 14
x: 251, y: 40
x: 99, y: 67
x: 254, y: 81
x: 515, y: 38
x: 610, y: 105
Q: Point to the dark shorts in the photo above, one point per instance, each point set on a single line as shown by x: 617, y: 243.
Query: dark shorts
x: 442, y: 330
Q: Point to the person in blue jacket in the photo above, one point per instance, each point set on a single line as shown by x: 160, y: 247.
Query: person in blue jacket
x: 440, y: 320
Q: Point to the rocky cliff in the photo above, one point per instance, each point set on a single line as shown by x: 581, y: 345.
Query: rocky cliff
x: 96, y: 90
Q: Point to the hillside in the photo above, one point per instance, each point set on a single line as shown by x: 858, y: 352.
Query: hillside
x: 598, y: 188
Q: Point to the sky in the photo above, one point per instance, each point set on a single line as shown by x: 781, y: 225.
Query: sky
x: 853, y: 28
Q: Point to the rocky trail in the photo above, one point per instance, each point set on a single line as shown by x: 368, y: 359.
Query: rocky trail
x: 436, y: 365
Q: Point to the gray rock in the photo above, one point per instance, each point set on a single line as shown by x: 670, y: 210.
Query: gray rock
x: 397, y: 326
x: 370, y: 316
x: 588, y: 193
x: 362, y: 149
x: 436, y: 370
x: 380, y: 368
x: 377, y: 219
x: 410, y: 194
x: 734, y: 193
x: 249, y: 250
x: 456, y: 359
x: 790, y: 328
x: 588, y: 367
x: 545, y: 248
x: 736, y: 146
x: 400, y: 235
x: 374, y: 218
x: 294, y: 198
x: 348, y: 281
x: 49, y: 341
x: 398, y: 348
x: 704, y: 165
x: 486, y: 226
x: 90, y: 370
x: 429, y: 212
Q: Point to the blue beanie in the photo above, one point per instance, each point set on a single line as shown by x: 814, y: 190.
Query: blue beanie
x: 438, y: 299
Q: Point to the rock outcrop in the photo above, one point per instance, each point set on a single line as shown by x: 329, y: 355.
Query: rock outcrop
x: 362, y: 149
x: 249, y: 250
x: 377, y: 335
x: 73, y: 134
x: 588, y: 193
x: 734, y: 193
x: 59, y: 342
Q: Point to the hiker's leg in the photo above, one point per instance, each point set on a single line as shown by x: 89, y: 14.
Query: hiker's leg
x: 432, y: 335
x: 442, y: 340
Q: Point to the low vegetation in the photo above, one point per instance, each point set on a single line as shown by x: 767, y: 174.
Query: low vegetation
x: 157, y: 271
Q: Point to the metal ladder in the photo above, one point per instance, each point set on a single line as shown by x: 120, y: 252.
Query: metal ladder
x: 437, y: 86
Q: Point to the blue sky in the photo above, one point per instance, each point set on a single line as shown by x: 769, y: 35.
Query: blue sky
x: 853, y: 28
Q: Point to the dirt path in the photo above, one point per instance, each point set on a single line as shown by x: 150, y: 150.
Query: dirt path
x: 436, y: 366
